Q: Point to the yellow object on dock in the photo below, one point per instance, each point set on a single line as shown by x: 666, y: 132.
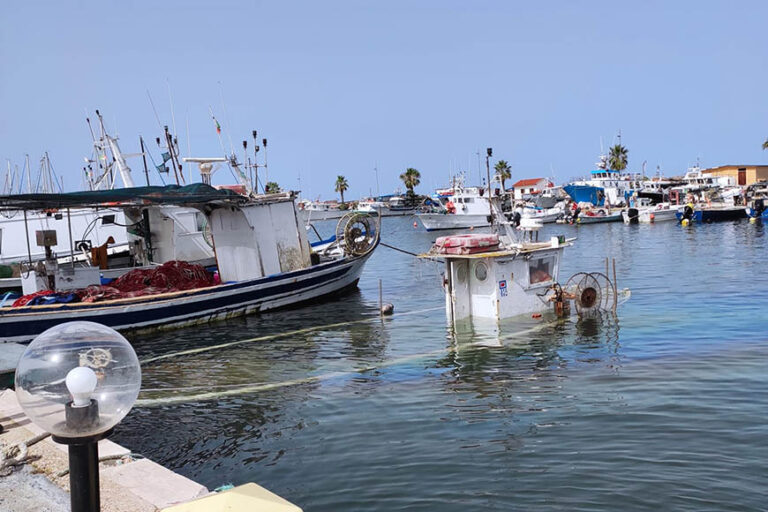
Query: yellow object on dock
x: 244, y: 498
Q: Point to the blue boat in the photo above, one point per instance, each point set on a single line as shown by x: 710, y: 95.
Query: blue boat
x: 710, y: 214
x: 586, y: 194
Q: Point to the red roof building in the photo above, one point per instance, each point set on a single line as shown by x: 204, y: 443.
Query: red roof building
x: 531, y: 186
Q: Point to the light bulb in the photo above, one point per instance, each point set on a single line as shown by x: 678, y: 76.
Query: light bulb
x: 81, y: 382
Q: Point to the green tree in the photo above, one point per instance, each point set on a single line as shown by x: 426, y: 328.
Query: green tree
x: 617, y: 158
x: 411, y: 178
x: 272, y: 187
x: 341, y: 186
x: 765, y: 144
x: 503, y: 171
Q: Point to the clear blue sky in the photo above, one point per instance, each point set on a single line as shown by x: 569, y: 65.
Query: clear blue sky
x: 338, y: 87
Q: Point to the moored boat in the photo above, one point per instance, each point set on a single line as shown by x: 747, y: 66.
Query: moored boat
x: 263, y: 261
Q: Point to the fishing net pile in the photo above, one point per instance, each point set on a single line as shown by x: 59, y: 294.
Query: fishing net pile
x: 171, y: 276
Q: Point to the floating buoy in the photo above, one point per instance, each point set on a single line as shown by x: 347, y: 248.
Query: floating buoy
x: 536, y: 315
x: 387, y: 309
x: 653, y: 217
x: 415, y: 224
x: 752, y: 220
x: 685, y: 222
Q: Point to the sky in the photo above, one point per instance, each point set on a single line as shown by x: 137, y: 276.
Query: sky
x: 367, y: 89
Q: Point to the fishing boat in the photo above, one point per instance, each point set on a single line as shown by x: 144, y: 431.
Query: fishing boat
x: 503, y: 275
x: 545, y: 215
x: 598, y: 216
x: 757, y: 197
x: 468, y: 207
x: 603, y: 186
x: 263, y: 261
x: 647, y: 214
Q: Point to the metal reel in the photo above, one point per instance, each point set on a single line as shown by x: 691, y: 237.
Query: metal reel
x: 357, y: 234
x: 591, y: 292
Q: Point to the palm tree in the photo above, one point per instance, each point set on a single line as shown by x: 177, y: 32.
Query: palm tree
x: 411, y: 178
x: 765, y: 144
x: 503, y: 171
x: 272, y: 187
x: 341, y: 186
x: 617, y: 158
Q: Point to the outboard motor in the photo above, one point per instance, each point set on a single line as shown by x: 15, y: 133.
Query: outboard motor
x: 759, y: 207
x: 688, y: 213
x: 633, y: 214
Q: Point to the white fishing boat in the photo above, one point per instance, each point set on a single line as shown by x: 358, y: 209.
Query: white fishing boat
x: 314, y: 211
x: 263, y: 261
x: 545, y: 215
x: 648, y: 214
x: 468, y: 207
x: 502, y: 275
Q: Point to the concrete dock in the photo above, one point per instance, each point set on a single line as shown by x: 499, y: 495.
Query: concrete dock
x: 126, y: 483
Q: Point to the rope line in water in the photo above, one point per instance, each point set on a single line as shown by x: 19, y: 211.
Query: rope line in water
x: 241, y: 389
x: 276, y: 336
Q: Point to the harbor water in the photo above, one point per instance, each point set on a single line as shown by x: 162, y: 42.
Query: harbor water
x: 663, y: 408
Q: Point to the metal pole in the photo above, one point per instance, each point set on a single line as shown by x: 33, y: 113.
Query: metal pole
x: 615, y: 287
x: 144, y: 157
x: 26, y: 231
x: 84, y: 477
x: 71, y: 244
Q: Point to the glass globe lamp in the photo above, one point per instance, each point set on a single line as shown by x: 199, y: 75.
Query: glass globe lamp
x: 78, y: 380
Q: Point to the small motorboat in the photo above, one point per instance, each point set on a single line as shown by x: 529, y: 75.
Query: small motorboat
x: 649, y: 214
x: 597, y: 216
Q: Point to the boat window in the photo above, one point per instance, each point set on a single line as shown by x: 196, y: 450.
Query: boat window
x: 199, y: 221
x: 541, y: 270
x: 469, y: 200
x: 461, y: 272
x: 481, y: 271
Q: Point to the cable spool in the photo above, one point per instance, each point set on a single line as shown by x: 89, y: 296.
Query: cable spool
x: 592, y: 293
x: 356, y: 233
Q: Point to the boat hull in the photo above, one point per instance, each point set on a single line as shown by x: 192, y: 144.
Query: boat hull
x: 648, y: 215
x: 707, y: 215
x: 597, y: 219
x: 586, y: 194
x: 437, y: 221
x: 190, y: 307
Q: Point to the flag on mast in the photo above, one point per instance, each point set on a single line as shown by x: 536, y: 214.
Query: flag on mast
x: 218, y: 126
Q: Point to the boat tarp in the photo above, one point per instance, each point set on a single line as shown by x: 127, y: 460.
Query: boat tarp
x: 197, y: 193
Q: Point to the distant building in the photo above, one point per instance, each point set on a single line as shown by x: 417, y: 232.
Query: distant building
x: 531, y: 187
x: 741, y: 174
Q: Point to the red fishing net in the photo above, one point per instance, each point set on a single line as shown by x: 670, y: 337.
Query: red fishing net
x: 171, y: 276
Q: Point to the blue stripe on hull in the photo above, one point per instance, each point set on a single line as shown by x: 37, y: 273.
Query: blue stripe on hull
x: 235, y: 302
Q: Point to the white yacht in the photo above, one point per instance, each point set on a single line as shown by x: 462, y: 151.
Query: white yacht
x: 468, y: 207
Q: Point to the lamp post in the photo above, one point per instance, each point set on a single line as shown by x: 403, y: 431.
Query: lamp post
x: 488, y: 155
x: 78, y: 380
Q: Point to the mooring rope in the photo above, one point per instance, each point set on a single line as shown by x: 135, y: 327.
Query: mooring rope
x: 277, y: 335
x: 241, y: 389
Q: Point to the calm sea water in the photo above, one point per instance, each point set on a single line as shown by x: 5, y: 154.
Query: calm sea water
x: 665, y: 408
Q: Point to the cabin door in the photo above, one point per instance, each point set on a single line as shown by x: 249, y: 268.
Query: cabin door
x: 742, y: 176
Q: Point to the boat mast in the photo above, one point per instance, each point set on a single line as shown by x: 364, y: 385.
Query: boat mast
x: 117, y: 156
